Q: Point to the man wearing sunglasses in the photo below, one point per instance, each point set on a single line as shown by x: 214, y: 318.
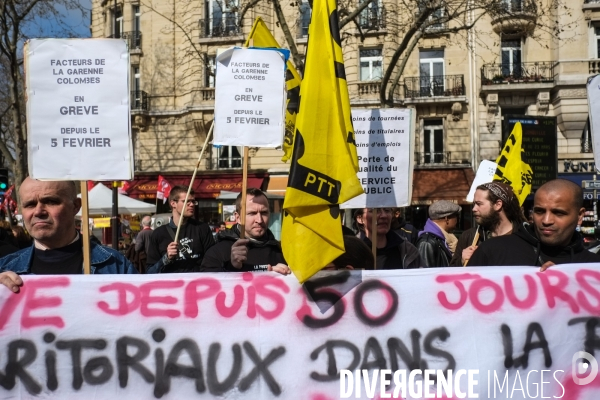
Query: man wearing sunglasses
x: 195, y: 238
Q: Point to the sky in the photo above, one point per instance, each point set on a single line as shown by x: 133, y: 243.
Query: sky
x: 78, y: 25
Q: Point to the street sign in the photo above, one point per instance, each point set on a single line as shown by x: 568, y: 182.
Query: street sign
x: 591, y: 185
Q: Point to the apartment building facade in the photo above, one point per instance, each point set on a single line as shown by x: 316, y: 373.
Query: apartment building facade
x: 460, y: 84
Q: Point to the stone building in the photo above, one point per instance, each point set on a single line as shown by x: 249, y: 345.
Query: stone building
x: 461, y: 85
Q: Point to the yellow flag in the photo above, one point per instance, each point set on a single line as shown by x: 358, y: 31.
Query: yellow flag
x: 512, y: 170
x: 262, y: 37
x: 324, y: 164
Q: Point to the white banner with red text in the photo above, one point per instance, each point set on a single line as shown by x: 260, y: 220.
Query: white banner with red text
x: 487, y: 333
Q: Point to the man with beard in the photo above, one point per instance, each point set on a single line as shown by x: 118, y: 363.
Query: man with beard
x: 497, y: 212
x: 551, y: 239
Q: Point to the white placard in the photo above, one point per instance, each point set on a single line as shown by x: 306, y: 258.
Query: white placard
x: 250, y: 98
x: 485, y: 174
x: 385, y: 148
x: 78, y: 114
x: 593, y: 93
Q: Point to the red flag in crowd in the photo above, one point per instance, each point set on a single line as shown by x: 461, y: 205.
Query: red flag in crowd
x: 124, y: 188
x: 9, y: 202
x: 163, y: 189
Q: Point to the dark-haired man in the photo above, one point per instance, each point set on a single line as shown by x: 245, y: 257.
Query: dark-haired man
x: 258, y: 251
x: 551, y: 239
x: 195, y: 238
x: 497, y: 213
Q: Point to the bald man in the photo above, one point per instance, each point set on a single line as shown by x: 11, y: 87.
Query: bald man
x: 551, y: 239
x: 142, y: 240
x: 49, y: 210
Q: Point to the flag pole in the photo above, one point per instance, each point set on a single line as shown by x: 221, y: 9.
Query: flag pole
x: 85, y: 227
x: 374, y: 234
x: 244, y: 188
x: 210, y: 131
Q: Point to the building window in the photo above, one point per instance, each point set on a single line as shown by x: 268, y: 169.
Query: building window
x: 229, y: 157
x: 305, y: 13
x: 136, y: 17
x: 209, y: 71
x: 433, y: 141
x: 371, y: 18
x: 431, y: 73
x: 222, y: 17
x: 511, y: 58
x: 512, y: 5
x: 135, y: 84
x: 371, y: 64
x: 136, y: 89
x: 597, y: 41
x: 117, y: 23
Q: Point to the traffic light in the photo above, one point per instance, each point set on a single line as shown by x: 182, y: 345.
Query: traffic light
x: 3, y: 180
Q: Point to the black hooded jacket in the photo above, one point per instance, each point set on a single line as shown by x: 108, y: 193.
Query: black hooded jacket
x: 261, y: 253
x: 524, y: 248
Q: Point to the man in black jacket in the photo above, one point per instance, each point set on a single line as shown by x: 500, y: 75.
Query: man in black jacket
x: 195, y: 238
x: 259, y: 251
x: 551, y: 239
x: 436, y: 243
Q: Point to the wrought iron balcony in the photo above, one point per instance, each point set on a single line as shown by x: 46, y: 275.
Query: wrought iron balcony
x: 434, y: 86
x: 513, y: 16
x: 425, y: 158
x: 529, y: 72
x: 139, y: 100
x: 372, y: 19
x: 226, y: 162
x: 134, y: 39
x: 220, y: 27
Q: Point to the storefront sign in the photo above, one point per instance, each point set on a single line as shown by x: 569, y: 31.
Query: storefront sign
x: 539, y: 143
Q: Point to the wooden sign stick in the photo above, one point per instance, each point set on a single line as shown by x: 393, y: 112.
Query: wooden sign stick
x: 475, y: 239
x: 244, y: 188
x: 194, y: 175
x: 85, y: 228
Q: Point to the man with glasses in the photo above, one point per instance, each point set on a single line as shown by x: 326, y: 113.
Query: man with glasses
x: 393, y: 250
x: 195, y: 238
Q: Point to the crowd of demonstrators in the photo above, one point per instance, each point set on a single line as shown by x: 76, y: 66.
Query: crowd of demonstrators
x: 551, y: 239
x: 195, y: 238
x: 497, y: 213
x: 436, y: 243
x: 393, y: 250
x: 504, y: 237
x: 8, y: 243
x: 258, y: 251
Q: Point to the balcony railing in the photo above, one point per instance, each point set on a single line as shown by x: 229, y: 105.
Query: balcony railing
x: 139, y: 100
x: 226, y: 163
x: 134, y: 39
x: 442, y: 157
x: 370, y: 87
x: 372, y: 19
x: 505, y: 7
x: 207, y: 93
x: 434, y: 86
x: 529, y: 72
x: 220, y: 27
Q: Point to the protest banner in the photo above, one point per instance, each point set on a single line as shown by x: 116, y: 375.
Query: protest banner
x: 250, y: 96
x: 496, y: 333
x: 78, y: 113
x: 385, y: 147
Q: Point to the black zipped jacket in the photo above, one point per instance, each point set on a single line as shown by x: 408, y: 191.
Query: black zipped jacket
x: 524, y: 248
x: 261, y: 253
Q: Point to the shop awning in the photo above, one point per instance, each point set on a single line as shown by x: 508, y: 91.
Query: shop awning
x: 277, y: 185
x: 205, y: 186
x: 451, y: 184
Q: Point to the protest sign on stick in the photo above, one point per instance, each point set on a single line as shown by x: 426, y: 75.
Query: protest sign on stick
x: 78, y: 112
x: 593, y: 94
x: 385, y: 157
